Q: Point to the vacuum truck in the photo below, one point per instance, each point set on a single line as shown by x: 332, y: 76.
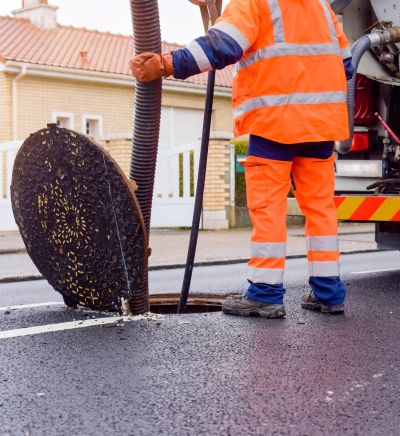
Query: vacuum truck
x: 368, y: 164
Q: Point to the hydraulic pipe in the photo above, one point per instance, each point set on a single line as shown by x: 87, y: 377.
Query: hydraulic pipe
x: 358, y: 50
x: 147, y: 38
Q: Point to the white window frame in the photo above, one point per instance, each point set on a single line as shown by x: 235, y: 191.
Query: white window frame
x: 99, y: 118
x: 69, y: 115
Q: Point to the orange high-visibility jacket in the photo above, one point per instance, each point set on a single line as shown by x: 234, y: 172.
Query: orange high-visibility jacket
x: 290, y: 83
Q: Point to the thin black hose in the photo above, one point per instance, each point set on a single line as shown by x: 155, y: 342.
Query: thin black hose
x: 198, y: 203
x: 147, y: 37
x: 357, y: 52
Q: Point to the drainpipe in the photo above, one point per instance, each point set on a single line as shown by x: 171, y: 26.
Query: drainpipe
x: 15, y: 101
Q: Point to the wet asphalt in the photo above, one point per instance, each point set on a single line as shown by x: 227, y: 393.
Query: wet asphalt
x: 210, y: 374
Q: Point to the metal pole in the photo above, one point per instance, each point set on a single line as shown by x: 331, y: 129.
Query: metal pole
x: 199, y: 193
x: 213, y: 12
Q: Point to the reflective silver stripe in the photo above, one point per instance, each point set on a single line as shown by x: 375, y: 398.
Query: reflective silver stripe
x: 267, y: 250
x: 199, y: 56
x: 234, y: 33
x: 277, y: 21
x: 323, y: 269
x: 322, y: 243
x: 235, y: 69
x: 331, y: 25
x: 286, y: 99
x: 283, y: 49
x: 271, y: 276
x: 280, y: 48
x: 345, y: 53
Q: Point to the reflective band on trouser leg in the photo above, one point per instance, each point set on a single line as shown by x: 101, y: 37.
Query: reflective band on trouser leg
x: 267, y: 185
x: 323, y: 256
x: 267, y: 270
x: 315, y: 180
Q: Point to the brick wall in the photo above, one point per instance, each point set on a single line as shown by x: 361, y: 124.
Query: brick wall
x: 120, y: 151
x: 39, y: 97
x: 5, y: 108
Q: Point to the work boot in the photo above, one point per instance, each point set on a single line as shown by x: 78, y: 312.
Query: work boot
x: 310, y: 302
x: 245, y: 307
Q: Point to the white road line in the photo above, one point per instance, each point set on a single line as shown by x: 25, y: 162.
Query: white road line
x: 30, y: 306
x: 371, y: 271
x: 51, y: 328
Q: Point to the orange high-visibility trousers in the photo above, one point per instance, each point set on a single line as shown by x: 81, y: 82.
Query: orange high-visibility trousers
x: 268, y: 182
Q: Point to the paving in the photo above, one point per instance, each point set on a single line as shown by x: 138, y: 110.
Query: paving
x: 169, y: 248
x: 210, y: 374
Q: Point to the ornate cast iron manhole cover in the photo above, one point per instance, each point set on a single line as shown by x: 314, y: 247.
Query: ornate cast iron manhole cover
x: 79, y: 218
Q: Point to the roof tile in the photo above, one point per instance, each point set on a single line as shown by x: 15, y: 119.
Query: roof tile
x: 22, y: 41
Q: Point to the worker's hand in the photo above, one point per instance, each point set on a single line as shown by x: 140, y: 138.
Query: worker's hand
x: 148, y: 66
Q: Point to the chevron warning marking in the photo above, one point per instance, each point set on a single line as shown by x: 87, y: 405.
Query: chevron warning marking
x: 371, y: 208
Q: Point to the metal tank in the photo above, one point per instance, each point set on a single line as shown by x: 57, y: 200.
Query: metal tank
x: 361, y: 16
x: 387, y: 10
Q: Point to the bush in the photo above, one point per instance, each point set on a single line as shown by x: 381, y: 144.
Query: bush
x: 241, y: 146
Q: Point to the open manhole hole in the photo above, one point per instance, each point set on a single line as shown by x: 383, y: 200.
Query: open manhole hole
x: 202, y: 303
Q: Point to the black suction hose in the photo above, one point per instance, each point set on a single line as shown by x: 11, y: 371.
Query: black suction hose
x: 198, y: 203
x: 147, y: 37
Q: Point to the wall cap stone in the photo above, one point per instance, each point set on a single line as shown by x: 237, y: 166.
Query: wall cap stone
x: 217, y: 134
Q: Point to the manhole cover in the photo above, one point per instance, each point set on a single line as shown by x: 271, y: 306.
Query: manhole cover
x: 79, y: 218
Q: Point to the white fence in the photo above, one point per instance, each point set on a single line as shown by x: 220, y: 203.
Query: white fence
x: 8, y: 150
x: 174, y: 187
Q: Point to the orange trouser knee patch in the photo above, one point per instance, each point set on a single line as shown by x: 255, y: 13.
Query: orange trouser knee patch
x: 323, y: 256
x: 267, y: 263
x: 315, y: 183
x: 267, y: 186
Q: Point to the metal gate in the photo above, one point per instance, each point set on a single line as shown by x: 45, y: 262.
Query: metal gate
x: 8, y: 150
x: 174, y: 188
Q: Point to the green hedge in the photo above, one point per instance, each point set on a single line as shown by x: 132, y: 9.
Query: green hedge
x: 241, y: 146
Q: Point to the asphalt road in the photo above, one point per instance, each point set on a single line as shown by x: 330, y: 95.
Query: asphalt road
x: 207, y: 374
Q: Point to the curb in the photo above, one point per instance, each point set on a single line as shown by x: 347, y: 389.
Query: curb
x: 34, y: 277
x: 22, y: 250
x: 13, y: 251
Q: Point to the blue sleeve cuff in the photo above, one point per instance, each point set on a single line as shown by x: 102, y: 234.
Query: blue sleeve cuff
x: 220, y: 48
x: 349, y: 69
x: 184, y: 64
x: 217, y: 50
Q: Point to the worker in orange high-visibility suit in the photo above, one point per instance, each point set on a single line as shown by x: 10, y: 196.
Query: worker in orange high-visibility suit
x: 289, y: 94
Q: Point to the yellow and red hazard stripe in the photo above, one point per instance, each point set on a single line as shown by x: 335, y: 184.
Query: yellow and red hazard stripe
x: 372, y: 208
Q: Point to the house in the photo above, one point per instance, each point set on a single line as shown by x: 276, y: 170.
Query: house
x: 81, y: 79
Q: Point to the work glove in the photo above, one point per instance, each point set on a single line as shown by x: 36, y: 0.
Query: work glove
x: 148, y: 66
